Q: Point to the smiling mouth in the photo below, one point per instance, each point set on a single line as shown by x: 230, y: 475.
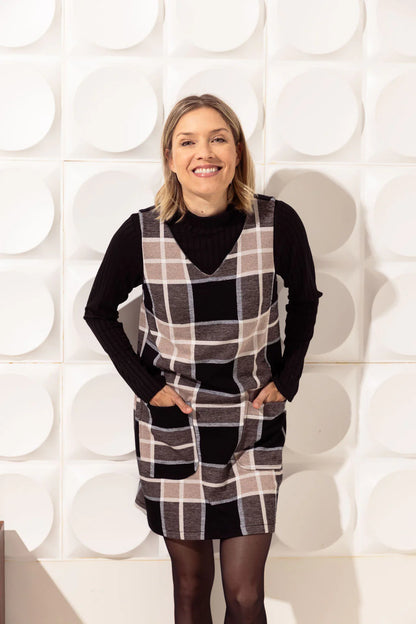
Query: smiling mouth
x: 206, y: 172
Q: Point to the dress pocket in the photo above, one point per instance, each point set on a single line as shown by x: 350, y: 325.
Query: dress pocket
x: 263, y: 437
x: 166, y: 442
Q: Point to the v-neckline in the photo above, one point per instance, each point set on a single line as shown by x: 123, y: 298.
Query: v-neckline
x: 185, y: 257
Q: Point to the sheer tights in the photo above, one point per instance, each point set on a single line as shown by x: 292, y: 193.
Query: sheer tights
x: 242, y: 561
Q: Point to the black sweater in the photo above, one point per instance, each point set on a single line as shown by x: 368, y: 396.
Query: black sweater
x: 205, y: 241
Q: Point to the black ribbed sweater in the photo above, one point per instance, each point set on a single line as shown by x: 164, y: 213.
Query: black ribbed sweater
x: 205, y: 241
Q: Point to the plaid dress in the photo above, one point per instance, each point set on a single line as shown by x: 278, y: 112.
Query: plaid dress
x: 215, y: 472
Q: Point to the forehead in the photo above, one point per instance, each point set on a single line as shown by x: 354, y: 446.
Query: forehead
x: 200, y: 120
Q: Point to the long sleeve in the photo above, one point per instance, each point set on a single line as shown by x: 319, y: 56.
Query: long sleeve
x: 294, y: 263
x: 120, y: 271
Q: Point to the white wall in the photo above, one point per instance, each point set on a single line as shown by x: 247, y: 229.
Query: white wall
x: 326, y: 95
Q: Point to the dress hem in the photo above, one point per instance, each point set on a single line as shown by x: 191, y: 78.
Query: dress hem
x: 259, y: 529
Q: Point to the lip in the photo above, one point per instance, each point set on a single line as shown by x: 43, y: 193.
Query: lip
x: 208, y: 174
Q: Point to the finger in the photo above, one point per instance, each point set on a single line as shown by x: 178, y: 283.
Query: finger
x: 182, y: 405
x: 259, y: 400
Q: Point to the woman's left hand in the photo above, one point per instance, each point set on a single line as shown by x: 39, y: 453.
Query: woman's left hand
x: 267, y: 394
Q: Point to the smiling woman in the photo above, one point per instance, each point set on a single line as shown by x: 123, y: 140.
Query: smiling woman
x: 210, y: 156
x: 200, y: 132
x: 210, y: 381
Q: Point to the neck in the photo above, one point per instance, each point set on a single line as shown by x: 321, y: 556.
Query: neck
x: 205, y: 212
x: 200, y: 223
x: 204, y: 208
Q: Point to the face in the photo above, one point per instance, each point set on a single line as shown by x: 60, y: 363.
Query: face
x: 201, y: 140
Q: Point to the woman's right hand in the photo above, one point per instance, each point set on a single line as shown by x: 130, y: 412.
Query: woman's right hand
x: 167, y: 397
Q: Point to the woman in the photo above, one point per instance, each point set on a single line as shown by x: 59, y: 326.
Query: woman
x: 209, y: 377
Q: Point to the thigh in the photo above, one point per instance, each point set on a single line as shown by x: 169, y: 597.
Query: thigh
x: 191, y: 559
x: 243, y: 560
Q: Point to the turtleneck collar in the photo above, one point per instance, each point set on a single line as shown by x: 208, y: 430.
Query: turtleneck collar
x: 212, y: 221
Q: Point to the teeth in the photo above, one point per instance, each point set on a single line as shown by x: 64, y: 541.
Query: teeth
x: 206, y: 170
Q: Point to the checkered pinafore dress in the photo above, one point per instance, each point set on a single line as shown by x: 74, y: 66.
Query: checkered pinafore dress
x: 216, y: 471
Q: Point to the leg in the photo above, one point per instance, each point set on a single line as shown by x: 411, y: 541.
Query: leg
x: 243, y: 560
x: 193, y: 571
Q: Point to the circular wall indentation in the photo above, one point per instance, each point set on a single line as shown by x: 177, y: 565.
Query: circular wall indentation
x: 318, y: 26
x: 394, y: 114
x: 27, y: 107
x: 202, y: 26
x: 29, y: 309
x: 397, y: 24
x: 392, y: 510
x: 313, y: 512
x: 103, y: 201
x: 231, y: 87
x: 394, y: 308
x: 319, y: 202
x: 115, y: 108
x: 26, y: 210
x: 102, y: 416
x: 103, y: 517
x: 321, y: 417
x: 336, y: 315
x: 391, y: 415
x: 121, y: 24
x: 26, y: 415
x: 27, y: 510
x: 24, y: 21
x: 317, y: 112
x: 395, y: 215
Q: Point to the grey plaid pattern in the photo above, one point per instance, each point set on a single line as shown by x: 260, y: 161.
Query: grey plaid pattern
x: 216, y: 471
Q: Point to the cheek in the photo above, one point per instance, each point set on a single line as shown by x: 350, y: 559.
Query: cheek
x: 179, y: 158
x: 181, y: 164
x: 184, y: 160
x: 230, y: 156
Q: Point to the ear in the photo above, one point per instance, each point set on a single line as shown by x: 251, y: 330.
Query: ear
x: 239, y: 152
x: 169, y: 160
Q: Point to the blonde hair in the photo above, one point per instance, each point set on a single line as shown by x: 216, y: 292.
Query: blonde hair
x: 169, y: 197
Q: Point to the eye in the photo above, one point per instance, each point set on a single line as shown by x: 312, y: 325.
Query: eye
x: 184, y: 143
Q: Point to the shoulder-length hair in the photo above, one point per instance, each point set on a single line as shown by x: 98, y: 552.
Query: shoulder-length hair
x: 240, y: 192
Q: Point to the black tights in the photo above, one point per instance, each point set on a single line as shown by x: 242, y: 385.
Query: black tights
x: 242, y: 561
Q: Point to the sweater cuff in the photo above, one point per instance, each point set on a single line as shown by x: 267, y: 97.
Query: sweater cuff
x: 288, y: 388
x: 152, y: 387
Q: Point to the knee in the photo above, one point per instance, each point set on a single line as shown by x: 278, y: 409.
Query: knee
x: 245, y: 602
x: 193, y: 588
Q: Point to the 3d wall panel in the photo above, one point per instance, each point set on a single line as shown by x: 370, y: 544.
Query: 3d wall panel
x: 326, y: 92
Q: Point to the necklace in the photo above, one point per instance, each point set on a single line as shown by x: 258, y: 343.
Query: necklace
x: 201, y: 212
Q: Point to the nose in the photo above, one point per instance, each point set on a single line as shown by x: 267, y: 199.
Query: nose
x: 204, y: 150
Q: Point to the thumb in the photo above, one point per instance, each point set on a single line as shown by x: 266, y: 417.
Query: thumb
x: 258, y: 401
x: 183, y: 406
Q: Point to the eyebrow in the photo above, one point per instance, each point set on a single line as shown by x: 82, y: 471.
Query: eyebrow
x: 190, y: 133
